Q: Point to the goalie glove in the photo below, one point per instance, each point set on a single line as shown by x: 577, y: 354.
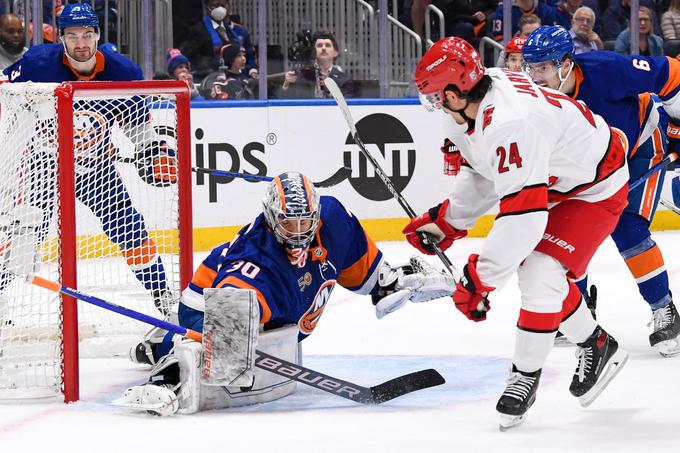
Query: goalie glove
x: 156, y: 164
x: 416, y: 281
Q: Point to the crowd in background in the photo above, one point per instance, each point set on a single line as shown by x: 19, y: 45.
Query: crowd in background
x: 215, y: 53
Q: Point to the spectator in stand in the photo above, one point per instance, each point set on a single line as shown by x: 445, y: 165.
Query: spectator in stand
x: 206, y: 39
x: 234, y: 83
x: 11, y: 40
x: 650, y: 44
x: 527, y: 24
x: 513, y: 54
x: 585, y: 38
x: 465, y: 18
x: 308, y: 80
x: 545, y: 12
x: 615, y: 18
x: 565, y: 12
x: 670, y: 21
x: 179, y: 68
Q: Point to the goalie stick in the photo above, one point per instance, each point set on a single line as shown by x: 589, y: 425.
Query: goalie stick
x: 376, y: 394
x: 335, y: 91
x: 335, y: 179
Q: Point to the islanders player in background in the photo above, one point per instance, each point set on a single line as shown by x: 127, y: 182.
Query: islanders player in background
x: 98, y: 184
x: 559, y: 173
x: 293, y: 254
x: 619, y: 88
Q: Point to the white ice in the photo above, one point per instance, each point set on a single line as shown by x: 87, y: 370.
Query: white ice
x: 639, y: 410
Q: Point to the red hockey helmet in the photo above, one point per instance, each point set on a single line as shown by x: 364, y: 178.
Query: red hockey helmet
x: 515, y: 45
x: 450, y: 61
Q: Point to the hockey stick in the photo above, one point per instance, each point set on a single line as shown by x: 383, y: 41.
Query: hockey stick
x: 365, y: 395
x: 670, y: 206
x: 335, y: 91
x: 335, y: 179
x: 672, y: 157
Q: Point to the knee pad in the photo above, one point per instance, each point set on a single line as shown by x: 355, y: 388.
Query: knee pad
x: 543, y: 283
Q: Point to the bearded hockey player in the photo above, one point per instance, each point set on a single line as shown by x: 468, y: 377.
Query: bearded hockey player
x: 625, y: 102
x: 98, y: 184
x: 292, y: 255
x: 559, y: 173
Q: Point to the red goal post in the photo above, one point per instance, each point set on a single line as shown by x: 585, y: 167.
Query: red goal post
x: 121, y: 117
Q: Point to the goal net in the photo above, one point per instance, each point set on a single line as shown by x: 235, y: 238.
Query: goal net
x: 95, y: 190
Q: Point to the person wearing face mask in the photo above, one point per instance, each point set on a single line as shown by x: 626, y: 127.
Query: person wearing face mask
x: 11, y: 40
x: 206, y: 39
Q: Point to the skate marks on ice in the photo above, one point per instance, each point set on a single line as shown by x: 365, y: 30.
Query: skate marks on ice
x: 468, y: 378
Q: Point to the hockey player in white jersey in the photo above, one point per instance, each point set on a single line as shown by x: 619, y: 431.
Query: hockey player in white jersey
x: 560, y: 174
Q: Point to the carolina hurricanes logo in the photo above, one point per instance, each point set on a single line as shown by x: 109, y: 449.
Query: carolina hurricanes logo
x: 310, y: 319
x: 89, y: 132
x: 488, y: 114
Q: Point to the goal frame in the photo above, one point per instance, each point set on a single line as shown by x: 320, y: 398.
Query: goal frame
x: 66, y: 93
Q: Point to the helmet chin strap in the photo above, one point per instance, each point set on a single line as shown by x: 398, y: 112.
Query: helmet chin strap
x: 562, y: 80
x: 461, y: 111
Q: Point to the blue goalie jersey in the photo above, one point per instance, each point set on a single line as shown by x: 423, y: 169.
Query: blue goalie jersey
x: 341, y: 254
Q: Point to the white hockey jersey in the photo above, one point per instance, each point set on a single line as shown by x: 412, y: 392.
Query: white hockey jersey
x: 531, y: 148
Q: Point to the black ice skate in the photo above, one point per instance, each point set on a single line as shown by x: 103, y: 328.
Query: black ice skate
x: 599, y: 360
x: 517, y: 398
x: 666, y: 330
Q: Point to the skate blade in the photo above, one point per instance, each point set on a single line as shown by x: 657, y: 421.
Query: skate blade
x: 511, y: 421
x: 668, y: 348
x: 615, y: 364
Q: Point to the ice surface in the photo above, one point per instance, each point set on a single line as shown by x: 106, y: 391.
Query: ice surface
x: 639, y: 410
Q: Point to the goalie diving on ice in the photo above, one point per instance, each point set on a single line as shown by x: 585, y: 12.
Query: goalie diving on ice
x: 284, y: 266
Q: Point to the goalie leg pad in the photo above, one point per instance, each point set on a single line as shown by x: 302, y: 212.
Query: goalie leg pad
x: 230, y: 334
x: 266, y: 386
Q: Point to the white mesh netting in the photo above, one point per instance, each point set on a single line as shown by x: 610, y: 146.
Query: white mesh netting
x: 126, y: 226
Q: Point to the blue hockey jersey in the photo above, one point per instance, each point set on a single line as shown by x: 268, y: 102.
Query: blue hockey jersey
x: 341, y: 254
x: 619, y: 87
x: 47, y: 63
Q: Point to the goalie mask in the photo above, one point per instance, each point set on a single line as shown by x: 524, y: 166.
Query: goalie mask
x: 291, y: 209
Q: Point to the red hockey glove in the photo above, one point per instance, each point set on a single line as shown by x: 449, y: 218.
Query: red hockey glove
x: 471, y: 294
x: 452, y: 158
x: 432, y: 227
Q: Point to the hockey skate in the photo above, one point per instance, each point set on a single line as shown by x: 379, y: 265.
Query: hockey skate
x: 517, y: 398
x: 599, y: 361
x: 665, y: 337
x: 154, y: 399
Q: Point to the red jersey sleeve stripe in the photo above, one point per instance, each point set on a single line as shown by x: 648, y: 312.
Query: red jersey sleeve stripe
x: 529, y: 199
